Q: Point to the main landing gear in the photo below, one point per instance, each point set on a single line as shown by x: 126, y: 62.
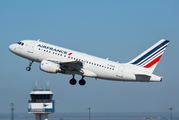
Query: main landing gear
x: 30, y: 64
x: 81, y: 82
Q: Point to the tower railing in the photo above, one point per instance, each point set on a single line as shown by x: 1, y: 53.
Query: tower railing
x: 40, y: 101
x: 36, y: 110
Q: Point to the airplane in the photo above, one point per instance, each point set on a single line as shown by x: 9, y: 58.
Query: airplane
x: 54, y: 59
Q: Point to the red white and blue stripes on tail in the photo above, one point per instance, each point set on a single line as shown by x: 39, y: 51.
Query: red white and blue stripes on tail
x: 149, y: 58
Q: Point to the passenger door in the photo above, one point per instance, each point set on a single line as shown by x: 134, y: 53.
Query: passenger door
x: 31, y: 47
x: 120, y: 71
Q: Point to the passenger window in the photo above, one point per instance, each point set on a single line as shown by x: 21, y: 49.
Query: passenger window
x: 22, y: 44
x: 64, y: 55
x: 89, y: 62
x: 99, y: 65
x: 39, y: 48
x: 71, y: 57
x: 107, y: 67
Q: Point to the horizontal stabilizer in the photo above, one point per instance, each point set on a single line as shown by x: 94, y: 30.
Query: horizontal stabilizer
x: 143, y: 74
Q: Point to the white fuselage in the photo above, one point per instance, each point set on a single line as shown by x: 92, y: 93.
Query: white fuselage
x: 93, y: 66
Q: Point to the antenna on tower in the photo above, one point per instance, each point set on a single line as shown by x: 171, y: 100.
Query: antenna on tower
x: 48, y: 86
x: 33, y: 86
x: 41, y: 86
x: 36, y: 85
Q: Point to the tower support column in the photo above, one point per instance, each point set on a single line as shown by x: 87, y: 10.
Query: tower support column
x: 41, y: 116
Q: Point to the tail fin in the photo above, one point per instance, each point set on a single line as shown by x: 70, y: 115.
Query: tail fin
x: 150, y: 58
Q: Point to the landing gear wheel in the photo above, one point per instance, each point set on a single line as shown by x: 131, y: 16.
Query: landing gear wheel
x: 30, y: 64
x: 82, y: 82
x: 72, y: 81
x: 28, y: 68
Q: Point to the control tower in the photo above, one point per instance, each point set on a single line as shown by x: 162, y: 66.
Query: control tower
x: 41, y: 103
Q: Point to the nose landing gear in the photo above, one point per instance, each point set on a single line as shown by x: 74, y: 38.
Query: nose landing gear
x: 30, y: 64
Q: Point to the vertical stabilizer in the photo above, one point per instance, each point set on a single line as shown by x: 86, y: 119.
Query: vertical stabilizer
x: 150, y: 58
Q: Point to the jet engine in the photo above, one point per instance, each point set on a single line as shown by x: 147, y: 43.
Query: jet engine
x: 50, y: 67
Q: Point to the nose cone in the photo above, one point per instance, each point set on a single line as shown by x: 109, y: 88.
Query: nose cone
x: 12, y: 48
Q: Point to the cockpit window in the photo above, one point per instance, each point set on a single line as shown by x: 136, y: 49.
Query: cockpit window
x: 20, y: 43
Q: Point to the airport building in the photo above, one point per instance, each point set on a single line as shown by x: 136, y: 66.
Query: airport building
x: 41, y: 103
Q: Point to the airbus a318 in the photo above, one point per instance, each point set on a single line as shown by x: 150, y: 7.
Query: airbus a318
x: 55, y: 59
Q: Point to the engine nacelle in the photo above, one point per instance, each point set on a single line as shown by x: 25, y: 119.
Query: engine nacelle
x: 49, y: 67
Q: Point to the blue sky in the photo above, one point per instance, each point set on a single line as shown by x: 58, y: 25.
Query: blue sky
x: 120, y: 30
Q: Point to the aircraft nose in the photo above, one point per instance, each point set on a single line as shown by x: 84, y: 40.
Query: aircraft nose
x: 11, y: 48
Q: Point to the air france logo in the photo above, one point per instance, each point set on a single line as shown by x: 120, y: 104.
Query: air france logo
x: 45, y: 105
x: 53, y: 49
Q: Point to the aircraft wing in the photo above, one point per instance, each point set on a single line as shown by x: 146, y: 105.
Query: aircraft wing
x: 68, y: 66
x: 74, y: 66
